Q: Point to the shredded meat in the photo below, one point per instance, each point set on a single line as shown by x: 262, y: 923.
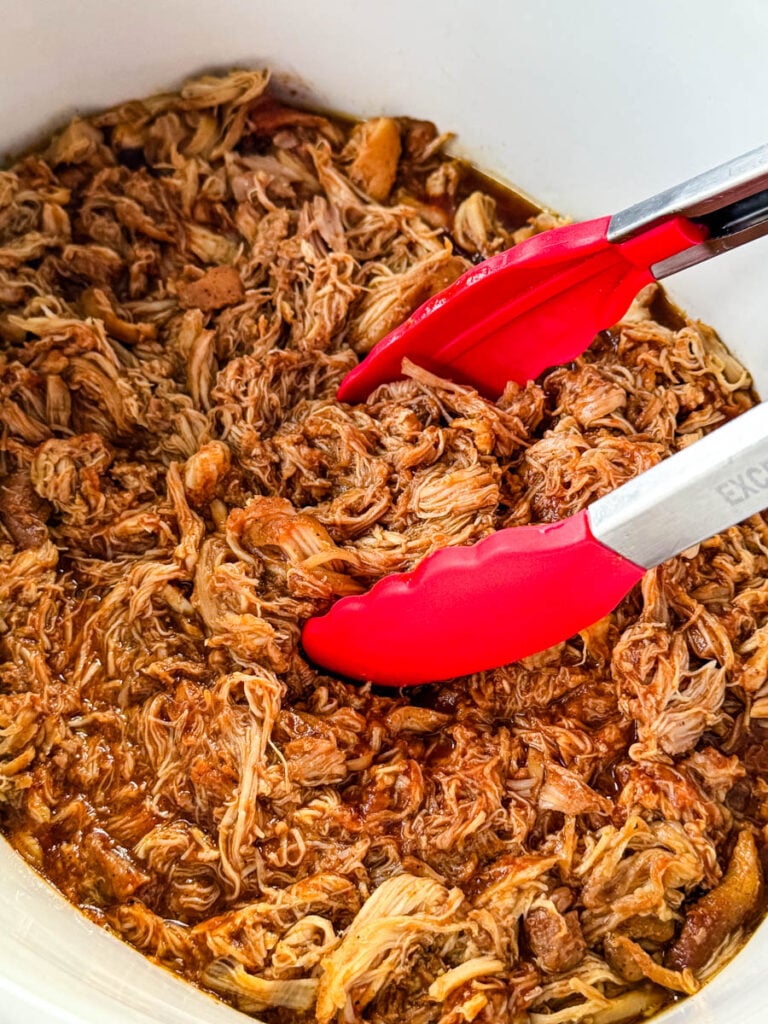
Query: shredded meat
x: 184, y: 281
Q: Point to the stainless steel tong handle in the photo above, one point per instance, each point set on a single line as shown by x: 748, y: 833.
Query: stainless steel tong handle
x: 694, y: 494
x: 731, y: 201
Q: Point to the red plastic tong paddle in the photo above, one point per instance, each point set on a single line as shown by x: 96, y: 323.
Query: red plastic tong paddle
x: 539, y: 304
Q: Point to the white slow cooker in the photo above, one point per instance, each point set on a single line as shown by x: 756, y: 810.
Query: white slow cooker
x: 589, y: 106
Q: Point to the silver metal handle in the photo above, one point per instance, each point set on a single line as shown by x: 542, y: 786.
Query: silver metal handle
x: 694, y: 494
x: 730, y: 200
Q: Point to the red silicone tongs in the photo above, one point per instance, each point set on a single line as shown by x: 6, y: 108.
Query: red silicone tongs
x: 540, y: 304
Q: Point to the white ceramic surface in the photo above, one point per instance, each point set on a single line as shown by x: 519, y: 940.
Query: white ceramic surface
x: 589, y: 106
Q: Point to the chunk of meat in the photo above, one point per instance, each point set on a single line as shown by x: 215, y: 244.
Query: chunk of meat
x: 588, y: 394
x: 253, y: 994
x: 314, y: 761
x: 399, y: 915
x: 420, y: 138
x: 476, y: 226
x: 23, y: 511
x: 95, y: 263
x: 410, y: 719
x: 556, y: 939
x: 109, y: 872
x: 67, y: 473
x: 96, y: 303
x: 564, y: 791
x: 378, y: 151
x: 720, y: 912
x: 649, y: 929
x: 457, y: 978
x: 204, y: 471
x: 268, y: 116
x: 217, y: 288
x: 393, y: 297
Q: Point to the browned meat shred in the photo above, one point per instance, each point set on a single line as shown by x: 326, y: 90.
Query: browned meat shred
x: 22, y: 510
x: 184, y: 281
x: 723, y: 910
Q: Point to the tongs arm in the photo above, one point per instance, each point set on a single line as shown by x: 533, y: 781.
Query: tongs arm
x: 730, y: 201
x: 697, y: 492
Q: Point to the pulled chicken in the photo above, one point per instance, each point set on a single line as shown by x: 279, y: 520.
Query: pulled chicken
x: 184, y: 281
